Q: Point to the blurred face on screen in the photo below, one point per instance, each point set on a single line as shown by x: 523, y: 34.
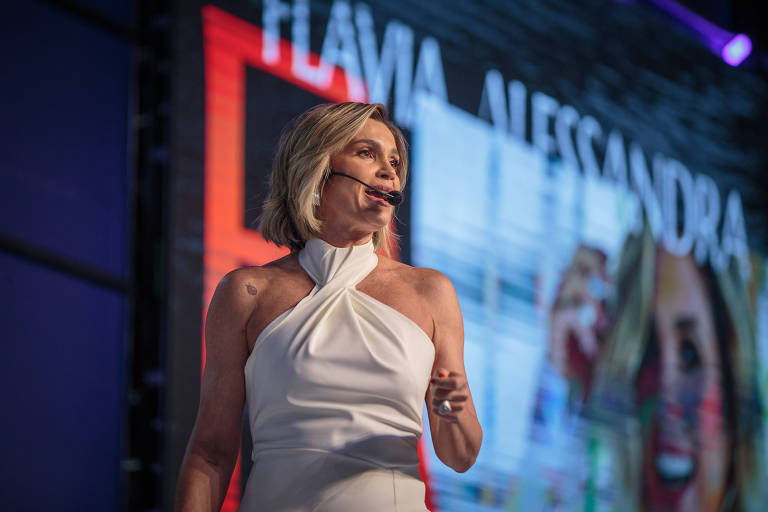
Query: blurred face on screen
x: 680, y: 398
x: 371, y: 157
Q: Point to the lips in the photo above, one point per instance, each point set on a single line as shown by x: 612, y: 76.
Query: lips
x: 377, y: 195
x: 673, y: 459
x: 674, y: 468
x: 670, y: 468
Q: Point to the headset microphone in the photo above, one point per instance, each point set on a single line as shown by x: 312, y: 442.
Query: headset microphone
x: 395, y: 197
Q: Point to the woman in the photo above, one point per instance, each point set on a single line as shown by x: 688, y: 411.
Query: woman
x: 669, y: 362
x: 333, y: 345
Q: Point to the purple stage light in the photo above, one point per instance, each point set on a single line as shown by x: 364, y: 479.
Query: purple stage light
x: 733, y: 48
x: 737, y: 49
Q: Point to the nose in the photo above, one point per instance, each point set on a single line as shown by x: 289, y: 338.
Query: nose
x: 676, y: 397
x: 386, y: 172
x: 669, y: 378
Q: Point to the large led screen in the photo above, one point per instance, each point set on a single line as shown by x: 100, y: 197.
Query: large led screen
x: 615, y: 352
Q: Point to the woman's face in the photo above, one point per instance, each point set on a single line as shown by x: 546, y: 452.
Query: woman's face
x: 680, y: 399
x: 347, y: 207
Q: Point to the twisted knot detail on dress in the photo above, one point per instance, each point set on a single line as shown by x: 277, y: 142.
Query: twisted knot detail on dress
x: 335, y: 386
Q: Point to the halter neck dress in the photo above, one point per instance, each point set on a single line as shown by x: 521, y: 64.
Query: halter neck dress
x: 334, y: 389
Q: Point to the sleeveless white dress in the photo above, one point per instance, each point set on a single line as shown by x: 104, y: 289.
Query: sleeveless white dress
x: 335, y: 387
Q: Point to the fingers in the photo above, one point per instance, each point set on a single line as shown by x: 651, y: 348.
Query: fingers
x: 446, y: 379
x: 578, y: 310
x: 586, y: 339
x: 585, y: 280
x: 441, y: 373
x: 449, y: 383
x: 579, y: 323
x: 452, y: 416
x: 456, y: 401
x: 446, y: 385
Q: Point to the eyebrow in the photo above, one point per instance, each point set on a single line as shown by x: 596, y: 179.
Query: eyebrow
x: 376, y: 143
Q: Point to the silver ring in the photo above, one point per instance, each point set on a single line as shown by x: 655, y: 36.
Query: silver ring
x: 445, y: 407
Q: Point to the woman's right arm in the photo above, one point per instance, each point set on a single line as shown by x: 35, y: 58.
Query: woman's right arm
x: 215, y: 441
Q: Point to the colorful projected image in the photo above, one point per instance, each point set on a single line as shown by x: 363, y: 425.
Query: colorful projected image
x: 617, y: 364
x: 670, y: 352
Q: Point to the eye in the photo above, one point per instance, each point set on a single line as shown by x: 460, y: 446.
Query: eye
x: 366, y: 153
x: 394, y: 163
x: 689, y: 356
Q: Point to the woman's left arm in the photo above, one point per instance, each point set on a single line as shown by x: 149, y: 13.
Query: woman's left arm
x: 456, y: 435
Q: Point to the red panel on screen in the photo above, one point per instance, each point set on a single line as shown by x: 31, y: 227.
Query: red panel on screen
x: 231, y: 44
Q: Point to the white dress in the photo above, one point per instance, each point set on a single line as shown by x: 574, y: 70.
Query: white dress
x: 335, y: 387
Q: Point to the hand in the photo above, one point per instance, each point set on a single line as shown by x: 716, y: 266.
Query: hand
x: 450, y: 386
x: 578, y: 312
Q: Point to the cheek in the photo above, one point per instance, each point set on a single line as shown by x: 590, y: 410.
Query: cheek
x: 714, y: 446
x: 711, y: 410
x: 690, y: 396
x: 339, y: 201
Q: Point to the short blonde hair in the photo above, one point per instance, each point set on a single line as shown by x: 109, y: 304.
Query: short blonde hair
x: 302, y: 163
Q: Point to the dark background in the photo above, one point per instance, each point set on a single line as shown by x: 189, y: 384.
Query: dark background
x: 82, y: 291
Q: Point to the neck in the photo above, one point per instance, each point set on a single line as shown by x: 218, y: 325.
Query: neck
x: 338, y: 238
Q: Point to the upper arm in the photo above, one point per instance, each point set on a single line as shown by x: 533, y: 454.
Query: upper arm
x: 222, y: 395
x: 448, y: 331
x: 448, y: 326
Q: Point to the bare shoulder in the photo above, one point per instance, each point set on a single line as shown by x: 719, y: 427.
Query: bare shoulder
x: 434, y: 284
x: 246, y: 285
x: 428, y: 283
x: 235, y: 297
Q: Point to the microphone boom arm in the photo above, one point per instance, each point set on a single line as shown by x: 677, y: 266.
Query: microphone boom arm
x: 394, y: 197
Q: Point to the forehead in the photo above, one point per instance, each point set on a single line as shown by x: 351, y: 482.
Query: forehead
x: 682, y: 293
x: 680, y: 281
x: 377, y: 131
x: 682, y: 298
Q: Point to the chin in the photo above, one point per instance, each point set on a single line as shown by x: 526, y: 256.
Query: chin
x: 378, y: 221
x: 665, y: 492
x: 674, y: 478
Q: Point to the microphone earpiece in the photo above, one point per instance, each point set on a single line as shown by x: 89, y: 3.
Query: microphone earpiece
x: 395, y: 197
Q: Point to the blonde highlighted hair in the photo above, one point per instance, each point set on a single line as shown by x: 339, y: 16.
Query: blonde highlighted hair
x: 302, y: 163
